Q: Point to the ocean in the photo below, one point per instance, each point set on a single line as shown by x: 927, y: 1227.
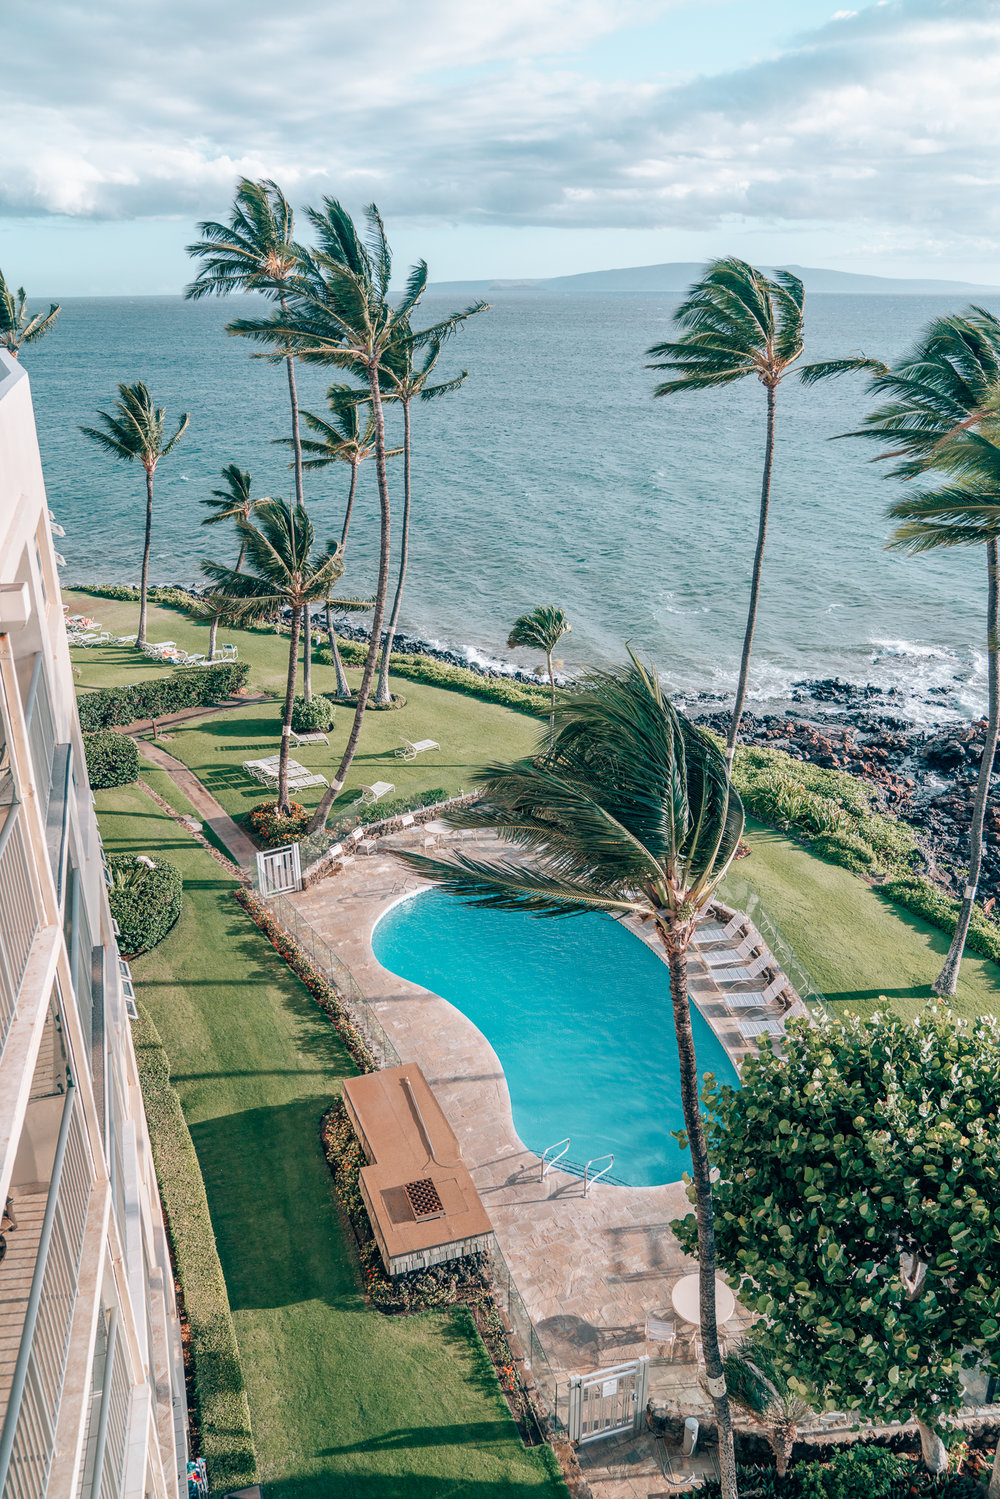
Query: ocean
x: 553, y: 476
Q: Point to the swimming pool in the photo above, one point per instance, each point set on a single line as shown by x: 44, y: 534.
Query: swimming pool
x: 577, y: 1010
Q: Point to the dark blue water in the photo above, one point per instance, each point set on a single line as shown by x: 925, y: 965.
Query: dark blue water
x: 552, y: 476
x: 579, y: 1013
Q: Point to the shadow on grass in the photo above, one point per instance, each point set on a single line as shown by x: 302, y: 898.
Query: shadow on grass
x: 367, y: 1485
x: 920, y: 993
x: 280, y: 1240
x: 475, y: 1434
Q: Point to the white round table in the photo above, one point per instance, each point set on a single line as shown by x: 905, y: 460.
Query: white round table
x: 686, y: 1299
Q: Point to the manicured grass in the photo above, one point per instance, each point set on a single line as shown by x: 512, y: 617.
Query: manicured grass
x: 854, y: 943
x: 343, y: 1401
x: 469, y: 732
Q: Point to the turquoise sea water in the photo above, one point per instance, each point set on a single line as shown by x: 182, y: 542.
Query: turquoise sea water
x: 577, y: 1010
x: 552, y: 476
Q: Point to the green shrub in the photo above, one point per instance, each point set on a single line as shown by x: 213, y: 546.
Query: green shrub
x: 191, y: 687
x: 112, y: 759
x: 521, y: 696
x: 857, y: 1473
x: 313, y: 717
x: 221, y: 1411
x: 845, y: 849
x: 172, y: 598
x: 270, y: 829
x: 892, y: 841
x: 145, y: 902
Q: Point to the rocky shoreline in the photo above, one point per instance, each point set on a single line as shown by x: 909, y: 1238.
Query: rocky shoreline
x: 924, y: 775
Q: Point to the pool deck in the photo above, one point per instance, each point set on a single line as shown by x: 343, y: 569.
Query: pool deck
x: 590, y: 1268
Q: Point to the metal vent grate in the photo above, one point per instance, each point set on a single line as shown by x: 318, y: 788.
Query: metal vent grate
x: 423, y: 1199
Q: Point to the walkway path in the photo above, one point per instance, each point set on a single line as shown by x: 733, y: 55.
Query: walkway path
x: 229, y: 834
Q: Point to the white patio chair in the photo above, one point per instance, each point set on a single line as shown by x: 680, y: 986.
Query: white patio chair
x: 743, y: 975
x: 375, y: 792
x: 731, y: 954
x: 660, y: 1331
x: 411, y: 750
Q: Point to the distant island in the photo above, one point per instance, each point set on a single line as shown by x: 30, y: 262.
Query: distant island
x: 675, y: 276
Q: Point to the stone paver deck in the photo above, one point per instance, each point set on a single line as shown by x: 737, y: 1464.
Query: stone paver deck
x: 589, y: 1268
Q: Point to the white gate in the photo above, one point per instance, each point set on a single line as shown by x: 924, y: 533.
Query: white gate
x: 278, y: 870
x: 608, y: 1402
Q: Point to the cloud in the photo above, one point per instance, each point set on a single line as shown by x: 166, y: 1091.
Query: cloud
x: 449, y: 112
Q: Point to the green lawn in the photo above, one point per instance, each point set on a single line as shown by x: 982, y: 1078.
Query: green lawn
x: 854, y: 943
x: 344, y: 1402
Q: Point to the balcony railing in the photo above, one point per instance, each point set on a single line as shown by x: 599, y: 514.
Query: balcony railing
x: 27, y: 1443
x: 41, y: 733
x: 20, y: 914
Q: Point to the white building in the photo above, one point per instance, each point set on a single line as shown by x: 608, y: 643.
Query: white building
x: 92, y: 1399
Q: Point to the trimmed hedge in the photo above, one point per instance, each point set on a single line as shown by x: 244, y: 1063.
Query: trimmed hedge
x: 176, y: 598
x: 267, y: 827
x: 428, y: 669
x: 112, y: 759
x: 220, y: 1407
x: 110, y: 707
x: 861, y: 1472
x: 917, y: 894
x: 145, y: 902
x: 314, y: 717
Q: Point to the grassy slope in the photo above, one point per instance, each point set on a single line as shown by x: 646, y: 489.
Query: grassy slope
x: 855, y: 944
x: 344, y: 1402
x: 470, y: 732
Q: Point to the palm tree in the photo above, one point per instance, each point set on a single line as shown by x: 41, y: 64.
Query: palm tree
x: 16, y: 327
x: 283, y: 574
x: 759, y: 1389
x: 740, y: 322
x: 134, y: 433
x: 542, y: 629
x: 939, y: 393
x: 627, y: 811
x: 406, y: 381
x: 339, y: 314
x: 233, y: 502
x: 343, y: 438
x: 256, y: 252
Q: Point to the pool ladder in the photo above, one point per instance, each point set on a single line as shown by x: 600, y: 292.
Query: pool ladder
x: 545, y: 1164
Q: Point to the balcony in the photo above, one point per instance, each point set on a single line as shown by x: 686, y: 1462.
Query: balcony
x: 20, y: 913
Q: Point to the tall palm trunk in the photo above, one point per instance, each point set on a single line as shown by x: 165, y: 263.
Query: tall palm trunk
x: 213, y: 631
x: 947, y: 980
x: 284, y: 805
x: 758, y: 561
x: 343, y: 685
x: 336, y: 782
x: 293, y: 400
x: 552, y: 690
x: 675, y: 938
x: 383, y: 695
x: 144, y: 579
x: 243, y: 552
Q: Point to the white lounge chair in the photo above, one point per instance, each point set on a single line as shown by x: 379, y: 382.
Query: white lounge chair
x: 714, y: 931
x: 410, y: 750
x: 743, y: 975
x: 756, y: 999
x: 375, y: 792
x: 315, y: 737
x: 752, y: 1030
x: 731, y: 954
x: 297, y: 782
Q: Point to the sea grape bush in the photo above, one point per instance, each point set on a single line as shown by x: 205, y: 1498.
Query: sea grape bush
x: 858, y: 1472
x: 112, y: 759
x: 177, y: 598
x: 110, y: 707
x: 312, y: 717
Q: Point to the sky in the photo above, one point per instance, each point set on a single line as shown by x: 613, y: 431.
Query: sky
x: 525, y: 138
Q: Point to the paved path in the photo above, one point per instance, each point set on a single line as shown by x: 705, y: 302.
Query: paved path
x: 232, y: 837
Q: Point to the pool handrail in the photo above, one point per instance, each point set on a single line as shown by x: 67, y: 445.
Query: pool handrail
x: 588, y: 1180
x: 545, y: 1165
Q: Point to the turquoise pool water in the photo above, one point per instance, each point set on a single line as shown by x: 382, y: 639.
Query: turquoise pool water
x: 577, y: 1010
